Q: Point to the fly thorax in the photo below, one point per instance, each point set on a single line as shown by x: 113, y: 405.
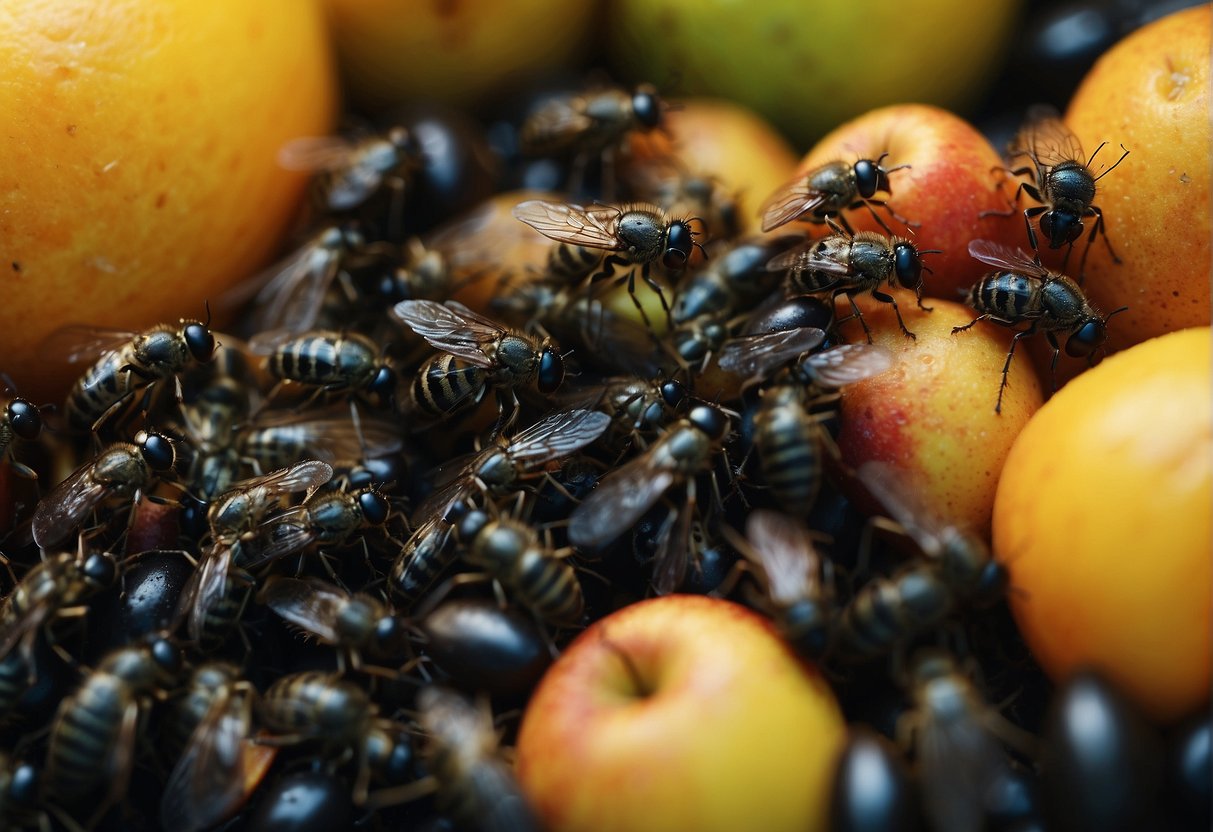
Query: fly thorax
x: 516, y: 361
x: 497, y: 471
x: 498, y: 546
x: 161, y: 351
x: 356, y: 619
x: 946, y: 699
x: 684, y: 444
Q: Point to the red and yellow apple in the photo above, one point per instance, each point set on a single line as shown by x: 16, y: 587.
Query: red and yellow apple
x: 932, y: 415
x: 1150, y: 93
x: 949, y: 184
x: 680, y: 712
x: 1102, y: 518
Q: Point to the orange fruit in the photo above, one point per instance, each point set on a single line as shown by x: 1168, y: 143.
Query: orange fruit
x: 393, y: 51
x: 1102, y: 517
x: 1150, y: 93
x: 139, y: 174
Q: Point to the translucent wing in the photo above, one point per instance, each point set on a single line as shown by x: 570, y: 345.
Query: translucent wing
x: 313, y: 606
x: 295, y: 293
x: 78, y: 344
x: 619, y: 501
x: 452, y: 328
x: 270, y: 340
x: 784, y: 550
x: 790, y: 202
x: 555, y: 122
x: 302, y: 476
x: 62, y: 511
x: 209, y: 782
x: 960, y: 762
x: 757, y: 356
x: 1046, y: 138
x: 828, y: 255
x: 673, y: 554
x: 437, y: 504
x: 206, y: 588
x: 846, y: 364
x: 333, y: 438
x: 1004, y: 257
x: 571, y: 223
x: 316, y: 153
x: 903, y: 503
x: 286, y: 537
x: 559, y: 435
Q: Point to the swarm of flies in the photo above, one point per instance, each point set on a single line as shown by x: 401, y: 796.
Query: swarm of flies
x: 325, y: 535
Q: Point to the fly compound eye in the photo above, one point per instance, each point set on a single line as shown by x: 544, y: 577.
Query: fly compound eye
x: 551, y: 371
x: 1089, y: 337
x: 200, y: 341
x: 868, y: 178
x: 908, y: 265
x: 383, y: 384
x: 680, y: 242
x: 25, y: 418
x: 157, y: 450
x: 646, y: 106
x: 673, y: 393
x: 374, y: 506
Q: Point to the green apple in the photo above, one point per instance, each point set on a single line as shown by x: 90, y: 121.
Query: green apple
x: 680, y: 712
x: 811, y: 66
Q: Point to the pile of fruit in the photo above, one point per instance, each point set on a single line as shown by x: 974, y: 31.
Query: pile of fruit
x: 534, y: 449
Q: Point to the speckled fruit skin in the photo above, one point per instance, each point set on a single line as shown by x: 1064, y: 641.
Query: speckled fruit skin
x: 392, y: 51
x: 1103, y: 519
x: 809, y: 67
x: 139, y: 175
x: 932, y: 415
x: 947, y: 187
x: 735, y: 732
x: 1150, y: 93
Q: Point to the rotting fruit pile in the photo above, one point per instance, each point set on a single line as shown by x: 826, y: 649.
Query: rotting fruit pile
x: 308, y: 571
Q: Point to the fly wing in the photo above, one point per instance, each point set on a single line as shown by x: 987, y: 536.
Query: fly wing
x: 286, y: 537
x: 206, y: 587
x: 620, y: 499
x: 557, y: 436
x: 312, y: 606
x: 302, y: 476
x: 903, y: 503
x: 960, y: 762
x: 208, y: 783
x: 1004, y: 257
x: 78, y: 344
x: 295, y: 293
x: 571, y: 223
x: 673, y: 554
x: 310, y: 154
x: 790, y: 202
x: 785, y: 552
x: 555, y: 123
x: 62, y: 511
x: 755, y: 357
x: 450, y: 328
x: 847, y: 364
x: 1046, y: 138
